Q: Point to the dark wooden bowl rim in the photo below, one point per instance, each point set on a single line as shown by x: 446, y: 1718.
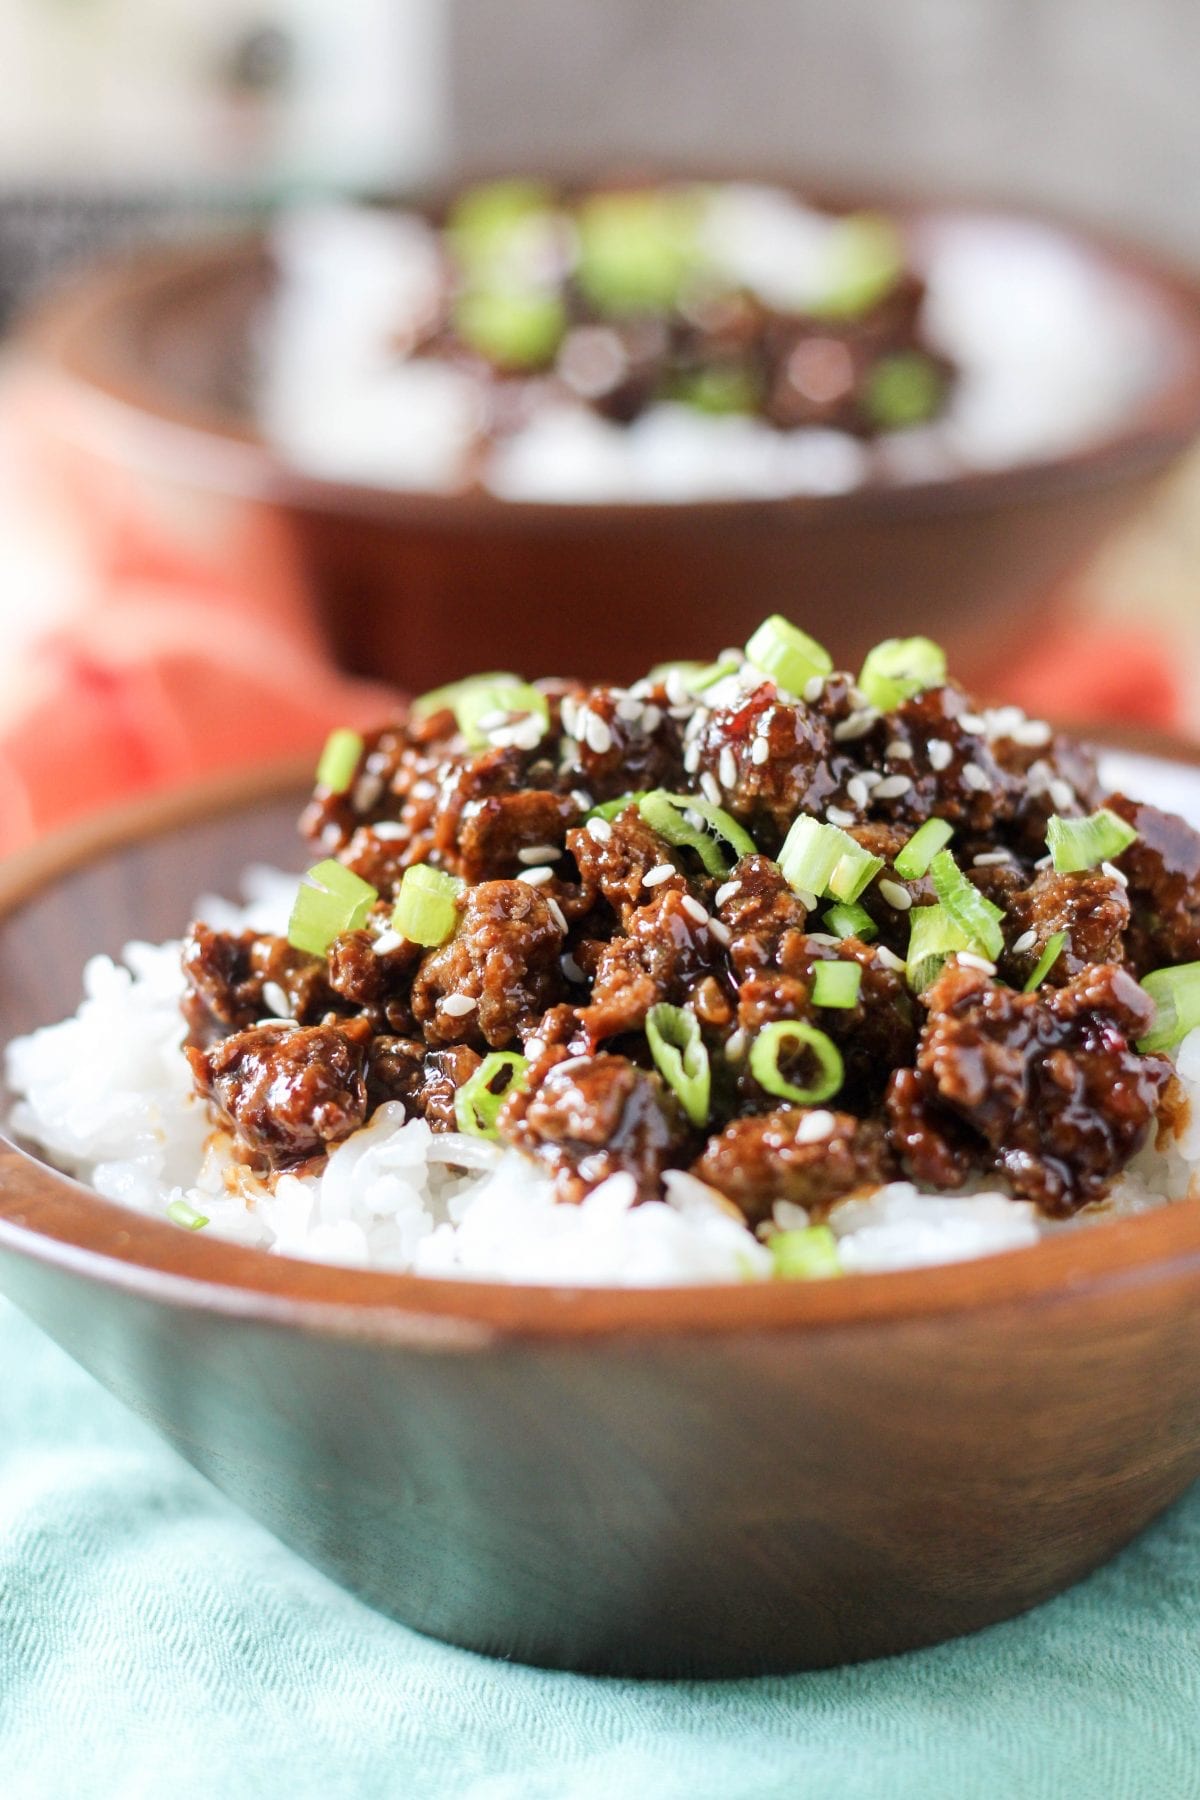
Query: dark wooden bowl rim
x: 74, y: 335
x: 49, y: 1216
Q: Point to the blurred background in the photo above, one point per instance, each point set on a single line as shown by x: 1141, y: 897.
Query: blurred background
x: 135, y: 655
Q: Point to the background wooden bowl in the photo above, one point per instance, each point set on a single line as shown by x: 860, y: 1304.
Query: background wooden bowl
x: 691, y: 1481
x: 146, y: 364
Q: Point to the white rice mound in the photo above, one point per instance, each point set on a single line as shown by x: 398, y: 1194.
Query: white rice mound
x: 107, y: 1095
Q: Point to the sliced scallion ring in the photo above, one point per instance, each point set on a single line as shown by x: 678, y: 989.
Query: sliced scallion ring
x: 477, y: 1103
x: 339, y: 760
x: 774, y: 1040
x: 513, y: 327
x: 898, y: 668
x: 1077, y: 844
x: 913, y: 861
x: 612, y: 809
x: 665, y: 814
x: 851, y: 920
x: 497, y: 700
x: 680, y: 1057
x: 973, y: 912
x: 426, y: 911
x: 836, y: 983
x: 446, y: 699
x: 182, y: 1212
x: 808, y: 1253
x: 1176, y: 996
x: 330, y: 900
x: 787, y: 655
x: 932, y: 936
x: 1046, y: 961
x: 817, y: 858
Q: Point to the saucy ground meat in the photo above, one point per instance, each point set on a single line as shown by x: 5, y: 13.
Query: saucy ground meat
x: 623, y: 940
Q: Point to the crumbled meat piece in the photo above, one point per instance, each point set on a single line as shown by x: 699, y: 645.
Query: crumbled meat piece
x: 496, y: 828
x: 614, y: 862
x: 668, y: 949
x: 1163, y: 868
x: 1049, y: 1081
x: 797, y: 772
x: 504, y: 958
x: 226, y: 976
x: 809, y: 1157
x: 288, y: 1091
x: 589, y: 1117
x: 426, y: 1081
x: 931, y: 1146
x: 758, y: 909
x: 1090, y: 907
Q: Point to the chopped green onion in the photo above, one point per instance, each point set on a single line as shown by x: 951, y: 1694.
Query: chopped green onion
x: 181, y: 1212
x: 1046, y: 961
x: 903, y: 389
x: 836, y: 984
x: 806, y: 1254
x: 636, y: 248
x: 714, y: 672
x: 866, y: 259
x: 487, y: 700
x: 330, y: 900
x: 425, y: 911
x: 687, y: 671
x: 823, y: 859
x: 665, y: 812
x: 1176, y: 996
x: 477, y: 1104
x: 1084, y: 843
x: 850, y: 921
x: 515, y: 328
x: 932, y: 936
x: 720, y: 389
x: 771, y: 1043
x: 680, y: 1057
x: 612, y: 809
x: 897, y: 668
x: 913, y: 861
x: 446, y: 699
x: 787, y: 655
x: 973, y: 912
x: 485, y: 220
x: 339, y: 760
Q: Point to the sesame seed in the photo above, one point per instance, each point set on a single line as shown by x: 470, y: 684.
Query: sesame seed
x: 694, y: 910
x: 386, y: 942
x: 651, y: 719
x: 599, y: 830
x: 856, y: 790
x: 571, y: 968
x: 895, y: 895
x: 628, y: 708
x: 538, y: 853
x: 533, y: 1048
x: 1062, y: 794
x: 974, y: 777
x: 581, y: 797
x: 691, y: 758
x: 557, y: 914
x: 898, y: 751
x: 1025, y: 942
x: 837, y: 815
x: 718, y: 931
x: 457, y: 1006
x: 822, y: 937
x: 1115, y: 874
x: 890, y: 960
x: 1044, y: 862
x: 855, y: 725
x: 808, y: 901
x: 423, y: 790
x: 709, y: 788
x: 676, y: 688
x: 569, y: 713
x: 814, y: 687
x: 971, y: 961
x: 277, y: 1000
x: 597, y: 736
x: 536, y: 877
x: 735, y: 1046
x: 990, y: 858
x: 760, y: 751
x: 892, y: 787
x: 727, y: 768
x: 727, y: 892
x: 492, y: 721
x: 1032, y: 734
x: 659, y: 873
x: 389, y: 830
x: 972, y: 722
x: 939, y: 753
x: 815, y: 1127
x: 367, y: 790
x: 871, y: 777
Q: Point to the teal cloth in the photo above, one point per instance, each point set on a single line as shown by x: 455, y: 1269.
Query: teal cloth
x: 153, y: 1641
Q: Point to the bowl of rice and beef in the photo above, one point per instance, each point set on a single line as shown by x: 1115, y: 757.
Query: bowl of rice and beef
x: 697, y: 1175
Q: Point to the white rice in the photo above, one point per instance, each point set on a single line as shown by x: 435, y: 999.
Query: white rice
x: 107, y: 1094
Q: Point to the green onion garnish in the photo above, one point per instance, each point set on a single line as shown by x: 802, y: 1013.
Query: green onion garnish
x: 972, y: 912
x: 664, y: 813
x: 850, y: 921
x: 806, y: 1254
x: 836, y: 983
x: 612, y: 809
x: 516, y: 328
x: 900, y: 667
x: 446, y: 699
x: 330, y: 900
x: 823, y: 859
x: 772, y: 1042
x: 477, y: 1104
x: 1046, y: 961
x: 866, y: 259
x: 485, y: 220
x: 914, y: 860
x: 1084, y: 843
x: 636, y: 248
x: 714, y: 672
x: 181, y: 1212
x: 787, y: 655
x: 903, y: 389
x: 727, y: 388
x: 485, y: 702
x: 932, y: 936
x: 680, y: 1057
x: 339, y: 760
x: 1176, y: 996
x: 425, y: 911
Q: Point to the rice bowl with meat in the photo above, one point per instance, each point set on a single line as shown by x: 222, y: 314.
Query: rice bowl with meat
x: 753, y: 970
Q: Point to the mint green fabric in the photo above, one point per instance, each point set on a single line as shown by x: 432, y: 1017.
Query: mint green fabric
x: 155, y: 1642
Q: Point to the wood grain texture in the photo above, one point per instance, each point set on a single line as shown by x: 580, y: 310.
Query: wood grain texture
x: 139, y: 363
x: 695, y: 1481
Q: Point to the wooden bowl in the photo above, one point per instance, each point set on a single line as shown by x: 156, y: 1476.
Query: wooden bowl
x: 712, y: 1481
x: 147, y: 361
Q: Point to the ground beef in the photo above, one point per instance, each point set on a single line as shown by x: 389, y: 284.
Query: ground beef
x: 227, y: 976
x: 590, y: 1117
x: 1163, y: 869
x: 810, y: 1158
x: 287, y: 1091
x: 504, y: 957
x: 426, y: 1081
x: 1091, y: 908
